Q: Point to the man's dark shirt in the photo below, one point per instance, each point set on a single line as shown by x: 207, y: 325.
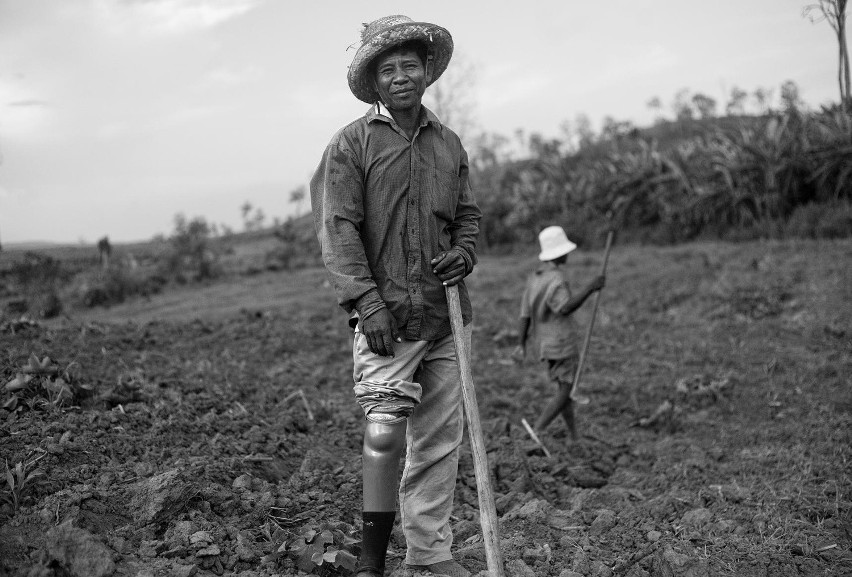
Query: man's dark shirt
x: 383, y: 208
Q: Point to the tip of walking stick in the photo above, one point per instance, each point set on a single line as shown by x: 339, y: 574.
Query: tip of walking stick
x: 581, y: 399
x: 531, y: 432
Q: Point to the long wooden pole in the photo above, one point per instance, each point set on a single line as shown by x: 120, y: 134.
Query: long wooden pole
x: 487, y: 509
x: 575, y: 396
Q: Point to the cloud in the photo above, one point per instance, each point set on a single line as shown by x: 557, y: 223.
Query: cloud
x: 168, y: 16
x: 28, y: 102
x: 23, y: 116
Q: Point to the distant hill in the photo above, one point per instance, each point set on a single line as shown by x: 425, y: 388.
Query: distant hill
x: 31, y: 245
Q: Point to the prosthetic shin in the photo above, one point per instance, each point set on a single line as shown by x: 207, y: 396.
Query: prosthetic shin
x: 383, y: 445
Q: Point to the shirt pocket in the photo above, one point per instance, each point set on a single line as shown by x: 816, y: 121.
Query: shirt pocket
x: 444, y: 194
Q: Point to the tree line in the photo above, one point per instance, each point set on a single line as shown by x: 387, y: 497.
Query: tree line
x: 784, y: 171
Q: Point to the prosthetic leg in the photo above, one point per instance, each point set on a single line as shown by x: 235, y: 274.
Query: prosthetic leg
x: 383, y: 447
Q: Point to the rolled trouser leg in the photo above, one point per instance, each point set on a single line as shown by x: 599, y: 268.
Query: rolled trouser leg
x: 386, y: 392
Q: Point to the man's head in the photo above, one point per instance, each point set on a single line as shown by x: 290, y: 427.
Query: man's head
x: 555, y: 245
x: 401, y: 74
x: 431, y: 45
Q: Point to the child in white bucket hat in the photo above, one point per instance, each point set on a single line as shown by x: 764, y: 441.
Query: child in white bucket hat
x: 546, y: 308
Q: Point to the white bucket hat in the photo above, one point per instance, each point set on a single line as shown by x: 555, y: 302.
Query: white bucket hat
x: 554, y: 243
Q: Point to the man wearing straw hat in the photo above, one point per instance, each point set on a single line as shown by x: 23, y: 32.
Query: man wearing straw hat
x: 397, y: 223
x: 546, y: 306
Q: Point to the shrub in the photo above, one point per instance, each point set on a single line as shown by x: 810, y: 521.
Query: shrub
x: 298, y: 246
x: 190, y: 255
x: 37, y: 278
x: 832, y: 220
x: 837, y: 223
x: 117, y: 283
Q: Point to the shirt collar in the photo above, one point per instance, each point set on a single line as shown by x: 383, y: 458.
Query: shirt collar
x: 380, y: 112
x: 545, y: 266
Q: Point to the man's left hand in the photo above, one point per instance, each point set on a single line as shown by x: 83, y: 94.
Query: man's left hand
x: 449, y: 266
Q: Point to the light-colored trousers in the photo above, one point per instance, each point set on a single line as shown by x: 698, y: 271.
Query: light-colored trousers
x: 421, y: 382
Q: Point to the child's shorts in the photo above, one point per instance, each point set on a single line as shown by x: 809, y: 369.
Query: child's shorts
x: 561, y: 371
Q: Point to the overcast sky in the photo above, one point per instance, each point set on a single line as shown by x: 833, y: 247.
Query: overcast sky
x: 117, y: 114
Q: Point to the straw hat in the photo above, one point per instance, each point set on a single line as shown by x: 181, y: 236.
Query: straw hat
x: 390, y: 31
x: 554, y: 243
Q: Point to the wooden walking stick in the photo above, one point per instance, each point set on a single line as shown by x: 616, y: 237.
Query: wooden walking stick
x: 563, y: 398
x: 575, y: 396
x: 487, y: 509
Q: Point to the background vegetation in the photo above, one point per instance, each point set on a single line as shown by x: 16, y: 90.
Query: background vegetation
x: 781, y: 173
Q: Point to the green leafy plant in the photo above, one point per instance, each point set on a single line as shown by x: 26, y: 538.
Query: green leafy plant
x: 43, y: 384
x: 330, y: 549
x: 18, y: 480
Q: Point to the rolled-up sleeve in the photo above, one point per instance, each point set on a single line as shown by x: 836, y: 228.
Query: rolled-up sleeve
x: 558, y: 297
x: 337, y: 193
x: 465, y: 227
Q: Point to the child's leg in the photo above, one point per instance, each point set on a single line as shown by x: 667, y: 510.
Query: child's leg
x: 561, y: 373
x: 551, y: 410
x: 568, y: 414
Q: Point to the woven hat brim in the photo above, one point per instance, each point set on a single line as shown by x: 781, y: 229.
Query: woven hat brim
x: 438, y: 39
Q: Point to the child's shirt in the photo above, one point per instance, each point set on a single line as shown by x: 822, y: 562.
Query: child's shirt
x: 545, y: 296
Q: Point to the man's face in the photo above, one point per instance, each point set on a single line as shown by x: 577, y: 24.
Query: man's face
x: 400, y: 79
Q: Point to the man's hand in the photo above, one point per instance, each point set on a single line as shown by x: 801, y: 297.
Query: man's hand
x: 380, y: 330
x: 449, y: 266
x: 597, y: 283
x: 519, y: 354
